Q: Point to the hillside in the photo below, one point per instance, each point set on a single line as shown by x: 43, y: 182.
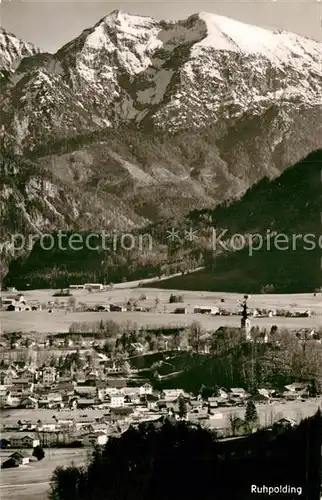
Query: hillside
x: 232, y: 362
x: 149, y: 119
x: 289, y: 205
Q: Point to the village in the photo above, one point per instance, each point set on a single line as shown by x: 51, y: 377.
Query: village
x: 80, y: 387
x: 88, y: 407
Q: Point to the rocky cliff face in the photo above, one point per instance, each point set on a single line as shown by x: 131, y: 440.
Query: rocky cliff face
x: 153, y: 118
x: 168, y: 75
x: 13, y: 50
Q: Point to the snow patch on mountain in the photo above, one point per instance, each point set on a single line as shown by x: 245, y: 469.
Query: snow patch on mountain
x: 155, y: 94
x: 170, y: 74
x: 117, y: 39
x: 224, y: 33
x: 13, y: 50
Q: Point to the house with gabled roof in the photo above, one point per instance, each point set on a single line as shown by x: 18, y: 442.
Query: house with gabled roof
x: 23, y: 440
x: 21, y: 456
x: 15, y: 460
x: 286, y: 421
x: 238, y: 392
x: 95, y: 438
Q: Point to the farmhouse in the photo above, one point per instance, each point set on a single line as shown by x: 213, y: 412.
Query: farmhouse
x: 238, y: 392
x: 117, y: 400
x: 29, y: 402
x: 296, y: 387
x: 265, y: 392
x: 172, y: 394
x: 16, y: 459
x: 95, y: 438
x: 294, y: 391
x: 5, y: 397
x: 7, y: 376
x: 205, y: 310
x: 21, y: 457
x: 117, y: 308
x: 222, y: 394
x: 146, y: 389
x: 135, y: 349
x: 102, y: 308
x: 286, y: 421
x: 93, y: 286
x: 23, y: 385
x: 86, y: 390
x: 22, y: 440
x: 180, y: 310
x: 49, y: 375
x: 116, y: 383
x: 212, y: 403
x: 28, y: 374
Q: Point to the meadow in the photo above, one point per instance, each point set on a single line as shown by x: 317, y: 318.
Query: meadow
x: 32, y: 481
x: 161, y: 312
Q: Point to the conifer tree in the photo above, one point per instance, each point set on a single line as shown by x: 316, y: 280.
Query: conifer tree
x: 251, y: 416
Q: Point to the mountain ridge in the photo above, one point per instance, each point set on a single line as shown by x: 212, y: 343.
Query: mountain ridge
x: 145, y: 123
x: 152, y: 67
x: 13, y: 50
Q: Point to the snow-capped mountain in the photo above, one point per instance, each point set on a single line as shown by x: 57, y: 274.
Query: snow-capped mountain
x: 160, y: 117
x: 167, y: 74
x: 13, y: 50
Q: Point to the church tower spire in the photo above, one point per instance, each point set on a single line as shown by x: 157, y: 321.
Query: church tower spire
x: 245, y: 321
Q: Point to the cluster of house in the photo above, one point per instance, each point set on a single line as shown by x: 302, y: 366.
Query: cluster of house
x: 17, y: 302
x: 65, y: 344
x: 31, y: 387
x: 104, y: 387
x: 239, y: 396
x: 102, y: 382
x: 124, y: 406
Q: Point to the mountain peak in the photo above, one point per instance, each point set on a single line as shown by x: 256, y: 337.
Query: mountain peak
x: 123, y: 20
x: 133, y: 69
x: 279, y: 46
x: 13, y: 50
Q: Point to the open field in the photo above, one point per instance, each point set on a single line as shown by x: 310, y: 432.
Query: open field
x: 43, y: 322
x: 46, y: 416
x: 59, y: 321
x: 31, y: 482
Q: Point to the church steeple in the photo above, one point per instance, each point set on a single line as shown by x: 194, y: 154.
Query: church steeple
x: 245, y: 322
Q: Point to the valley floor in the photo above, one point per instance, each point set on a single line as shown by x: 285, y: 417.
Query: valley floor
x: 59, y: 321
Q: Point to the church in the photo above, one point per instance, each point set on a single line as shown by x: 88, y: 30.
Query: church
x: 246, y: 324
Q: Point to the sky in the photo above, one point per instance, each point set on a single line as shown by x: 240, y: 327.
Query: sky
x: 49, y: 25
